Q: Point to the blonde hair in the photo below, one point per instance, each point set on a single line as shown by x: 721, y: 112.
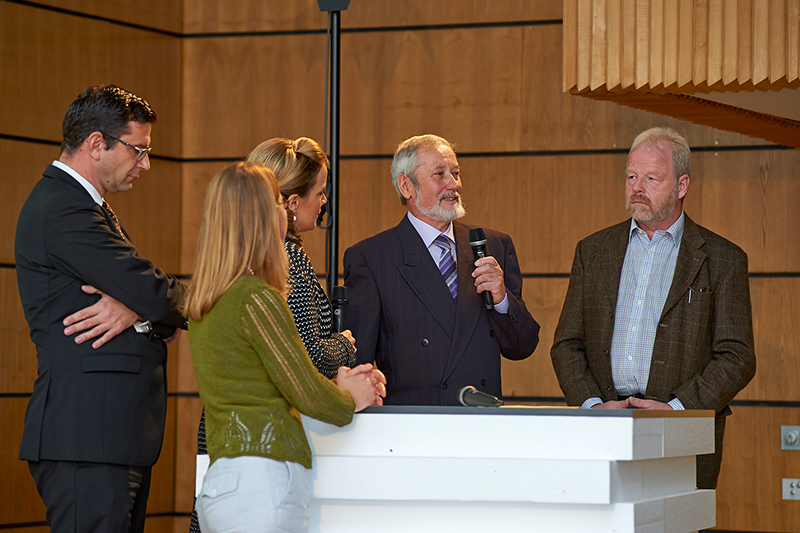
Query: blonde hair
x: 240, y: 230
x: 664, y: 138
x: 296, y: 165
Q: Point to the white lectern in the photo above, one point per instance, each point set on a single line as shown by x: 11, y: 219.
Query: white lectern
x: 561, y: 470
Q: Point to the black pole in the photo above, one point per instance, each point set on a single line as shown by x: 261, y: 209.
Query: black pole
x: 333, y: 201
x: 334, y: 7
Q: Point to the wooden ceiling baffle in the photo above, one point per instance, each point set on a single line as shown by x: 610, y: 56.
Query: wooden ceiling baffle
x: 689, y: 59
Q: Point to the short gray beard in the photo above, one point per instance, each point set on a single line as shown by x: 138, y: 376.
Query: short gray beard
x: 653, y: 215
x: 440, y: 213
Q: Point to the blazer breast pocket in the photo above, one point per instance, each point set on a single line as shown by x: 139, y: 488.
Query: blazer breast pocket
x: 111, y: 363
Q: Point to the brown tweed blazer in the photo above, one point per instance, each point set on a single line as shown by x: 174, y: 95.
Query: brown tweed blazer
x: 703, y: 352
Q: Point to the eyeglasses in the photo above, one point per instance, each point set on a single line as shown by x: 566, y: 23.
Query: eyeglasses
x: 141, y: 152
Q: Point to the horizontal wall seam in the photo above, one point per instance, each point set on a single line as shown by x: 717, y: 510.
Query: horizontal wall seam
x: 280, y: 33
x: 94, y: 17
x: 372, y: 157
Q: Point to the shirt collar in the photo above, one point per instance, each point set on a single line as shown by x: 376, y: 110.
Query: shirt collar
x: 80, y: 179
x: 428, y: 232
x: 675, y: 230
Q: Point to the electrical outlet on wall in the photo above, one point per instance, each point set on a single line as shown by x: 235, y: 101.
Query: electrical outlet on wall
x: 791, y: 488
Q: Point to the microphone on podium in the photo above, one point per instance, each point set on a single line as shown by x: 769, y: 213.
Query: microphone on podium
x: 339, y: 304
x: 477, y: 241
x: 469, y: 396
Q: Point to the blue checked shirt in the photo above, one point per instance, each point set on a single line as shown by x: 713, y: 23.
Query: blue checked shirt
x: 644, y: 284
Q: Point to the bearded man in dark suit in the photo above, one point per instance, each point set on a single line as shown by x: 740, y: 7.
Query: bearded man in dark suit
x: 95, y: 421
x: 657, y: 313
x: 415, y: 307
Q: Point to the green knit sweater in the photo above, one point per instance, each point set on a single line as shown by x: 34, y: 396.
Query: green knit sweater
x: 255, y: 377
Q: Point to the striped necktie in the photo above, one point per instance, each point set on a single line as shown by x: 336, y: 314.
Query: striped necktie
x: 115, y: 219
x: 447, y: 265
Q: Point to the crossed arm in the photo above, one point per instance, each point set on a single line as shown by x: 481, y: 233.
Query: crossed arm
x: 105, y: 319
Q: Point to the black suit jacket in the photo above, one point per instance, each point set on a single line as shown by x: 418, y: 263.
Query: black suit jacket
x: 106, y: 405
x: 405, y: 320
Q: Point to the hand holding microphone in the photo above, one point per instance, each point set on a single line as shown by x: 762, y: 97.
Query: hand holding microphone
x: 488, y: 276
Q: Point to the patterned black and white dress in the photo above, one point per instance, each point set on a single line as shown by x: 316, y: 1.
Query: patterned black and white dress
x: 312, y: 314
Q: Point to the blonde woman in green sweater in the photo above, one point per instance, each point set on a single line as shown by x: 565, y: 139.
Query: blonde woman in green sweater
x: 253, y: 372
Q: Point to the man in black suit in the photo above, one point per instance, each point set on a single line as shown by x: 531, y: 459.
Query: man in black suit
x: 95, y: 421
x: 414, y: 302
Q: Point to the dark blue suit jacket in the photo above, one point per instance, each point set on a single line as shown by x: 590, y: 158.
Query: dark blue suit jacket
x: 405, y: 320
x: 106, y: 405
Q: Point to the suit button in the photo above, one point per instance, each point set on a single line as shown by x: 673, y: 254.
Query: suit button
x: 491, y: 333
x: 610, y: 388
x: 444, y: 386
x: 605, y: 352
x: 483, y: 383
x: 425, y: 342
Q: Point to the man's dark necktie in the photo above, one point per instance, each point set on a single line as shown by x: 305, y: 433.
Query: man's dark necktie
x: 114, y: 218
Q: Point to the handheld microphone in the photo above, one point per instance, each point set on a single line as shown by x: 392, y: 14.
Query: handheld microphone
x: 477, y: 241
x: 339, y: 304
x: 469, y: 396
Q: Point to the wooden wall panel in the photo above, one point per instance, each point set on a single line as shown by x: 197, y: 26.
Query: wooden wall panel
x: 775, y: 311
x: 750, y: 198
x: 151, y: 214
x: 753, y: 464
x: 19, y: 501
x: 463, y: 84
x: 17, y: 352
x: 157, y: 14
x: 248, y: 92
x: 55, y: 56
x: 211, y: 16
x: 553, y: 203
x: 534, y: 376
x: 23, y: 164
x: 491, y: 90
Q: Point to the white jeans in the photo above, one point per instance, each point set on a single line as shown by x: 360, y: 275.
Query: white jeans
x: 244, y: 494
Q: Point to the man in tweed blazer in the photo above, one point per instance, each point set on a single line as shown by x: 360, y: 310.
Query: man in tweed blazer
x: 657, y: 313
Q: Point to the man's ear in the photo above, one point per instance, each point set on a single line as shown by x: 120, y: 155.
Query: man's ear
x: 683, y: 186
x: 95, y: 144
x: 406, y: 186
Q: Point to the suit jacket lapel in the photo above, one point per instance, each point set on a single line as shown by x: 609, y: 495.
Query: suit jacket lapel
x: 469, y: 303
x: 690, y: 259
x: 612, y: 260
x: 424, y: 278
x: 54, y: 172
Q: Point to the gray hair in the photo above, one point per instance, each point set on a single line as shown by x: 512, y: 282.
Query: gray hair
x: 405, y: 158
x: 664, y: 138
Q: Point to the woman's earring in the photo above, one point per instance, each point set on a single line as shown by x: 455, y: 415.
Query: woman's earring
x: 294, y: 218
